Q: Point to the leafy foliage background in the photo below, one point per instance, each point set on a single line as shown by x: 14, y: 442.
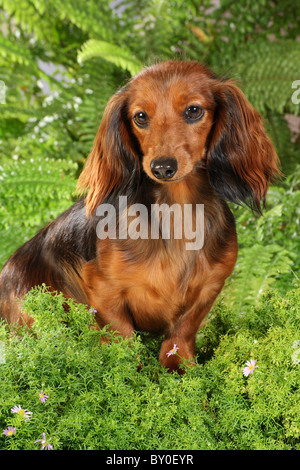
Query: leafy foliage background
x: 60, y: 63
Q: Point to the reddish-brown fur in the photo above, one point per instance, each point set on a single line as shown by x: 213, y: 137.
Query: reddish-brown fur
x: 154, y: 285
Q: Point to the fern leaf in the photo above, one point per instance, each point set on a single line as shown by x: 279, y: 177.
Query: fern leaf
x: 32, y: 193
x: 256, y: 270
x: 15, y: 52
x: 110, y: 52
x: 266, y: 74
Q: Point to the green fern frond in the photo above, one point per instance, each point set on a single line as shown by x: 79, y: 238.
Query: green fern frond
x: 32, y: 193
x: 267, y: 72
x: 279, y: 131
x: 88, y: 16
x: 15, y: 52
x: 256, y: 270
x: 110, y: 52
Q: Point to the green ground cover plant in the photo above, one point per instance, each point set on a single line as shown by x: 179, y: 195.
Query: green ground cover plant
x: 60, y: 62
x: 98, y: 396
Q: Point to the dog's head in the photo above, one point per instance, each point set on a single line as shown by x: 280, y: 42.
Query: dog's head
x: 172, y: 118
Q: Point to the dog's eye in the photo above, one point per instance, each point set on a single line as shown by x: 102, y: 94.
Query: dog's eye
x: 141, y: 119
x: 193, y: 113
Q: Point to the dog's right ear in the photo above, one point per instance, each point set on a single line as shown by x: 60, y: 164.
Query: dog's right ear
x: 113, y: 163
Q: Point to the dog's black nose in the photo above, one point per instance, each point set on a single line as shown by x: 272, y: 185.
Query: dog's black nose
x: 164, y: 168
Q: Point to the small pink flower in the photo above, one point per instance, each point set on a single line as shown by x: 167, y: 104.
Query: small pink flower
x: 43, y: 397
x: 249, y: 369
x: 173, y: 351
x: 9, y: 431
x: 25, y: 413
x: 45, y: 442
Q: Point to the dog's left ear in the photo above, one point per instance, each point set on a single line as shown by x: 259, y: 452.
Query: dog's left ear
x: 241, y: 159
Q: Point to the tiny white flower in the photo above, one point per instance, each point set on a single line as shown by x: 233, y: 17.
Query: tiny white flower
x: 77, y: 99
x: 40, y: 84
x: 48, y: 118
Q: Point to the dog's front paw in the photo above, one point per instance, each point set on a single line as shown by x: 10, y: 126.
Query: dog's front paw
x: 172, y: 355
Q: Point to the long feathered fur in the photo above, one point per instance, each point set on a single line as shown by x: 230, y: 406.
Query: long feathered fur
x: 154, y: 284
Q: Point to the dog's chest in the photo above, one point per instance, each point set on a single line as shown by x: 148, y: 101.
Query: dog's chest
x: 159, y: 291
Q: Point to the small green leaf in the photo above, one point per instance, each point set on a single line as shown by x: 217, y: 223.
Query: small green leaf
x: 110, y: 52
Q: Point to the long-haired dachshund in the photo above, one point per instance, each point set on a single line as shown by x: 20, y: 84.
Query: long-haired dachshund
x: 175, y: 134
